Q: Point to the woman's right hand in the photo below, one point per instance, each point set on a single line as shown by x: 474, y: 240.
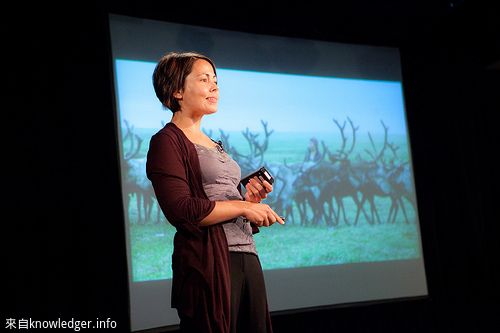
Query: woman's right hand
x: 261, y: 215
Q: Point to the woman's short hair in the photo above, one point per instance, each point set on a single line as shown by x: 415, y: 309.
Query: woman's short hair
x: 170, y: 74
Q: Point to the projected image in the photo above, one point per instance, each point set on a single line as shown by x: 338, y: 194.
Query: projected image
x: 337, y: 148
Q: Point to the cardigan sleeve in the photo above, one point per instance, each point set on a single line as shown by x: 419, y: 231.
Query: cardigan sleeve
x: 166, y: 168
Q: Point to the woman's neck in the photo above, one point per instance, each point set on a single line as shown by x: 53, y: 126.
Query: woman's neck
x: 187, y: 123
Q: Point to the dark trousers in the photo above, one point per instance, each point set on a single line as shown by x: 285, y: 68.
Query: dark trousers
x: 249, y: 310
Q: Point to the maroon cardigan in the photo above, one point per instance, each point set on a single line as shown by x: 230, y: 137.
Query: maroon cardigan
x: 200, y: 262
x: 201, y: 284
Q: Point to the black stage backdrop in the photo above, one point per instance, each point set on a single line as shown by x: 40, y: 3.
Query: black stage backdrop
x: 64, y: 234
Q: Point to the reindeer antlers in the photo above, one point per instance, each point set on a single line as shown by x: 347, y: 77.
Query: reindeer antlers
x: 342, y: 154
x: 378, y: 155
x: 134, y: 140
x: 257, y: 149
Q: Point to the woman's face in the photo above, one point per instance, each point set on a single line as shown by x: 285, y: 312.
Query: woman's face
x: 200, y: 94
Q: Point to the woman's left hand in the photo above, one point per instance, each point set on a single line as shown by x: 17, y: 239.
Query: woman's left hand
x: 257, y: 190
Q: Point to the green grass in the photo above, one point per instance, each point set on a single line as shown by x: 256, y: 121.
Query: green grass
x: 296, y: 246
x: 282, y: 246
x: 152, y: 246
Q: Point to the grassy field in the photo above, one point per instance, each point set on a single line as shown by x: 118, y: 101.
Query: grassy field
x: 295, y: 246
x: 287, y: 246
x: 152, y: 247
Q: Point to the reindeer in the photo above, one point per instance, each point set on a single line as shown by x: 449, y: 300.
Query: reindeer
x: 373, y: 178
x: 379, y: 179
x: 343, y: 182
x: 309, y: 190
x: 284, y: 190
x: 399, y: 177
x: 136, y: 183
x: 292, y: 187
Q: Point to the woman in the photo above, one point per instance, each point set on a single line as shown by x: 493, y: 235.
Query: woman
x: 218, y: 284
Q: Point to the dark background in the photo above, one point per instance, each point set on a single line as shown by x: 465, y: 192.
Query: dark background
x: 64, y: 237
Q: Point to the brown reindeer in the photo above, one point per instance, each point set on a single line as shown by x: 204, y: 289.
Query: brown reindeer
x: 343, y: 183
x: 136, y: 183
x: 399, y: 177
x: 373, y: 179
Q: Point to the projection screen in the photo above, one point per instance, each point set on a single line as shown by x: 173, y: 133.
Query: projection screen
x: 327, y: 119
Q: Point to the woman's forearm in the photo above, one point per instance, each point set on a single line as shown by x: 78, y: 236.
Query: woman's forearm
x: 225, y: 210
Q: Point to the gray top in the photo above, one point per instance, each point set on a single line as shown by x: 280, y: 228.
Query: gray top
x: 221, y: 175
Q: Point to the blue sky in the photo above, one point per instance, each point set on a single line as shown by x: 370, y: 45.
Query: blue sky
x: 289, y: 103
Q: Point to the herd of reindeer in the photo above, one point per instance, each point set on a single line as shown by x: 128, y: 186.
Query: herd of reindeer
x: 311, y: 192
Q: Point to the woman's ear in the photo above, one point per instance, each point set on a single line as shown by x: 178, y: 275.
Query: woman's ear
x: 178, y: 95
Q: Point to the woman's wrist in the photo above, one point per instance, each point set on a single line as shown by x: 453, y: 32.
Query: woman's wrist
x: 245, y: 205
